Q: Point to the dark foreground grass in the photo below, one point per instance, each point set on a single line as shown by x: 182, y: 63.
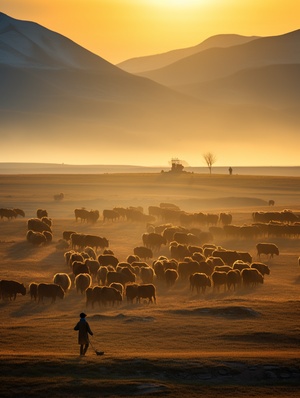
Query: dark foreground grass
x: 81, y: 377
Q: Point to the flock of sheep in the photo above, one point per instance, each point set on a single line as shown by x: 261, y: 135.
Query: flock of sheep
x: 96, y: 272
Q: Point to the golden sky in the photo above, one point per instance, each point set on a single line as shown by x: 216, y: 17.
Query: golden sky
x: 121, y: 29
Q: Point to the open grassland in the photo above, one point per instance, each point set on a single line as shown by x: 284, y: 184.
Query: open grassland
x: 241, y: 343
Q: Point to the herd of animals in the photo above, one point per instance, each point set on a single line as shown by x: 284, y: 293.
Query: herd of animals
x: 96, y: 272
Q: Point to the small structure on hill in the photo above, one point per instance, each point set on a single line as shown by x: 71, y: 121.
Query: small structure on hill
x: 177, y: 166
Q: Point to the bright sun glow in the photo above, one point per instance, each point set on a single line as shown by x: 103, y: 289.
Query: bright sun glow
x: 177, y: 3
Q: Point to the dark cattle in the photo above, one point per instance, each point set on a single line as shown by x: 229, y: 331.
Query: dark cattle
x: 146, y: 292
x: 83, y: 214
x: 143, y: 252
x: 251, y: 277
x: 271, y: 202
x: 50, y: 290
x: 153, y: 241
x: 101, y: 275
x: 89, y: 296
x: 33, y: 290
x: 8, y: 213
x: 118, y: 277
x: 233, y: 278
x: 10, y: 289
x: 268, y: 249
x: 96, y: 295
x: 200, y: 281
x: 95, y: 241
x: 110, y: 295
x: 131, y: 292
x: 58, y: 196
x: 225, y: 218
x: 108, y: 259
x: 77, y: 241
x: 187, y: 268
x: 112, y: 215
x: 179, y: 251
x: 219, y: 278
x: 228, y: 256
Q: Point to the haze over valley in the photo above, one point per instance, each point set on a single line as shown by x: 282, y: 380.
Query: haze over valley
x: 230, y: 95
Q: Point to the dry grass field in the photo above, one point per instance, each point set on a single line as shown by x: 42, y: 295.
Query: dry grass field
x: 243, y: 343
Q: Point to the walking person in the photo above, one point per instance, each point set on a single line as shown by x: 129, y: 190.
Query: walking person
x: 83, y: 333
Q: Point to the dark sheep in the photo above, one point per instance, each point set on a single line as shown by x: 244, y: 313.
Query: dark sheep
x: 36, y: 238
x: 37, y: 225
x: 170, y: 276
x: 251, y: 277
x: 40, y: 213
x: 82, y: 282
x: 62, y: 280
x: 261, y: 267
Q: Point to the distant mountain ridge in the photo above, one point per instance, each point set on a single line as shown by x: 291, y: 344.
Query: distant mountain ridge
x: 59, y: 100
x: 152, y: 62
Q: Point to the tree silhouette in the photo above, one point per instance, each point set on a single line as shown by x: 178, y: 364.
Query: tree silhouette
x: 210, y: 159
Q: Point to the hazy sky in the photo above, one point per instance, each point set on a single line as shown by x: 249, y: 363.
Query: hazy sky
x: 121, y: 29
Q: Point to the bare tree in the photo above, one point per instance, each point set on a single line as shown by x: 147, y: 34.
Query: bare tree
x: 210, y: 159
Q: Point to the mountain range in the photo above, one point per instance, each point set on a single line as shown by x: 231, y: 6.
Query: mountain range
x: 219, y: 95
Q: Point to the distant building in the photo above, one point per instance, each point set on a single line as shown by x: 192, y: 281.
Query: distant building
x: 177, y: 166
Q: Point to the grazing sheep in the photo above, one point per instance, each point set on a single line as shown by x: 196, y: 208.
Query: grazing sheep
x: 36, y: 238
x: 82, y: 282
x: 37, y: 225
x: 93, y: 266
x: 80, y: 267
x: 19, y: 212
x: 50, y: 290
x: 10, y: 289
x: 219, y: 278
x: 200, y: 281
x: 131, y: 291
x: 233, y: 278
x: 147, y: 275
x: 62, y: 280
x: 101, y: 275
x: 251, y: 277
x: 67, y: 235
x: 224, y: 268
x: 146, y: 291
x: 261, y: 267
x: 118, y: 286
x: 40, y: 213
x: 33, y: 290
x: 8, y: 213
x: 48, y: 235
x: 240, y: 265
x: 170, y: 276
